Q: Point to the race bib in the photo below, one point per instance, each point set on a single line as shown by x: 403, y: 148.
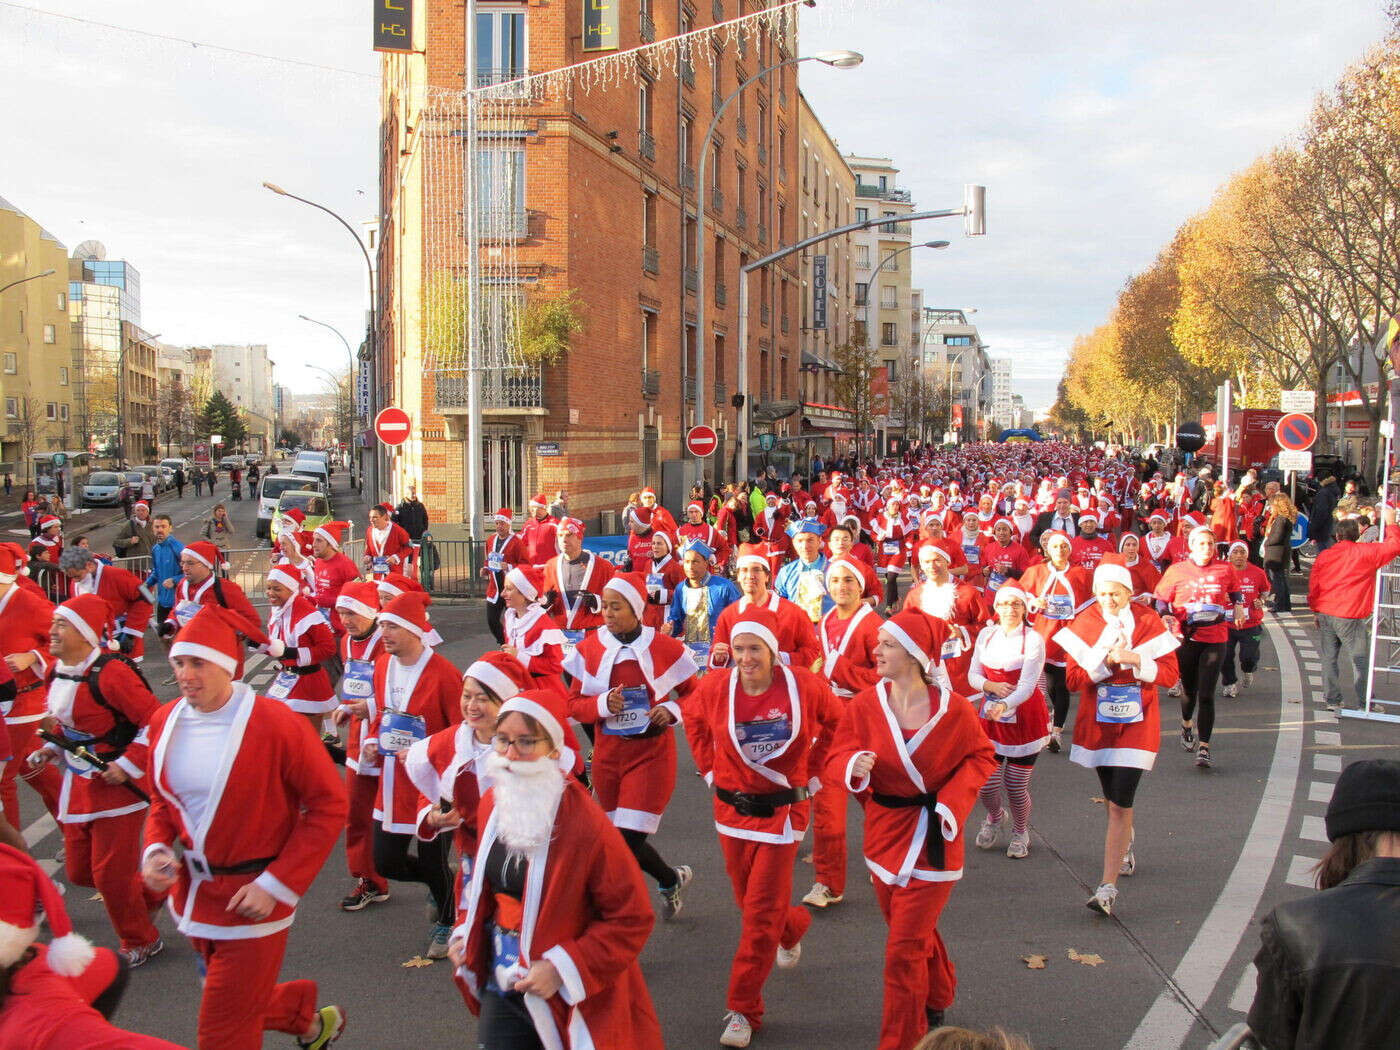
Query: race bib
x: 571, y: 640
x: 1202, y: 614
x: 282, y: 685
x: 1009, y: 716
x: 972, y: 553
x: 185, y: 612
x: 760, y: 740
x: 505, y: 957
x: 952, y: 647
x: 379, y: 564
x: 995, y: 580
x: 398, y: 731
x: 357, y: 683
x: 495, y: 562
x: 700, y: 653
x: 75, y: 764
x: 1119, y: 704
x: 1059, y: 606
x: 635, y: 716
x: 890, y: 548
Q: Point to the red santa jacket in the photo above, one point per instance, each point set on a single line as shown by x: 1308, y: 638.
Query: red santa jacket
x: 586, y: 911
x: 359, y: 656
x: 1087, y: 553
x: 1201, y: 593
x: 290, y: 818
x: 1000, y: 564
x: 802, y: 705
x: 664, y: 662
x: 85, y: 796
x: 189, y: 598
x: 662, y: 579
x: 538, y: 538
x: 502, y: 555
x: 126, y: 597
x: 449, y: 766
x: 848, y: 649
x: 24, y: 628
x: 392, y: 545
x: 796, y: 638
x: 572, y: 611
x: 430, y: 689
x: 1063, y: 595
x: 709, y: 535
x: 946, y: 761
x: 962, y: 607
x: 302, y: 683
x: 538, y: 644
x: 889, y: 542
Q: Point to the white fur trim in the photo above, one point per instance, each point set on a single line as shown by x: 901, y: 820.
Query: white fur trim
x: 275, y: 886
x: 539, y: 713
x: 327, y: 536
x: 897, y: 633
x: 78, y: 622
x: 204, y: 652
x: 348, y: 603
x: 408, y: 625
x: 285, y: 578
x: 758, y: 630
x: 70, y: 954
x: 521, y: 583
x: 14, y: 940
x: 625, y: 588
x: 573, y: 991
x: 752, y: 559
x: 493, y: 678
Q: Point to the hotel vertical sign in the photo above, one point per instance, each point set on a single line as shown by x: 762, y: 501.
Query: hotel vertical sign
x: 601, y: 24
x: 396, y: 26
x: 819, y: 293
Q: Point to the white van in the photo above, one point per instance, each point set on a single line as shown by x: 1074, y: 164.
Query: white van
x: 314, y: 468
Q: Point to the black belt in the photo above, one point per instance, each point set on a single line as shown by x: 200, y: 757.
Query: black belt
x: 301, y: 671
x: 747, y: 805
x: 28, y: 688
x: 247, y: 867
x: 933, y: 839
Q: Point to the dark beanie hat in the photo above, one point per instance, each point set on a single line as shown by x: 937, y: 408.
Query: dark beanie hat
x: 1366, y: 798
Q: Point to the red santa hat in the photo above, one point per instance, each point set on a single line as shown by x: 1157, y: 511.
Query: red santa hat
x: 851, y: 565
x: 939, y: 551
x: 360, y: 597
x: 759, y: 622
x: 694, y: 505
x: 632, y: 586
x: 1053, y: 534
x: 333, y: 532
x: 1011, y: 590
x: 751, y: 554
x: 92, y: 617
x: 26, y: 893
x: 540, y: 501
x: 919, y: 634
x: 528, y: 580
x: 213, y: 635
x: 395, y: 583
x: 1200, y: 528
x: 501, y: 673
x: 571, y: 525
x: 546, y: 707
x: 48, y: 521
x: 1112, y: 572
x: 1089, y: 516
x: 295, y: 515
x: 1238, y: 545
x: 662, y: 534
x: 1004, y: 520
x: 1157, y: 515
x: 410, y: 611
x: 504, y: 515
x: 13, y: 561
x: 205, y: 553
x: 287, y: 576
x: 1126, y: 537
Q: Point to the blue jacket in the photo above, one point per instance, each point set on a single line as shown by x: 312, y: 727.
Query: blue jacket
x: 723, y: 593
x: 786, y: 582
x: 165, y: 565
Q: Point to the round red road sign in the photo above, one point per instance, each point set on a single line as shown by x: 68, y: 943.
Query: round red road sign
x: 701, y: 440
x: 392, y: 425
x: 1295, y: 432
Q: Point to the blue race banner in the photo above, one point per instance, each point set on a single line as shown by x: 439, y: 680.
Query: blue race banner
x: 613, y: 548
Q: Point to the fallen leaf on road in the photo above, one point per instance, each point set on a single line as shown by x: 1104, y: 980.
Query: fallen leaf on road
x: 1098, y: 800
x: 1295, y: 701
x: 1034, y: 962
x: 417, y: 961
x: 1084, y: 959
x: 95, y: 897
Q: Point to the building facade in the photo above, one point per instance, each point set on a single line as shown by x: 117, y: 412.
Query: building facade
x: 244, y: 374
x: 953, y: 352
x: 1002, y: 408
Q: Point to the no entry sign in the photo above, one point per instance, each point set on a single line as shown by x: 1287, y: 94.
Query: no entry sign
x: 701, y: 441
x: 1295, y: 432
x: 391, y: 426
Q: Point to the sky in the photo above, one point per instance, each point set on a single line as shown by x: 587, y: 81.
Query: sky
x: 1097, y: 126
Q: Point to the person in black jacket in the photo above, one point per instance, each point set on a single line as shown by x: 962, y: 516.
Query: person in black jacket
x: 1328, y: 964
x: 1062, y: 517
x: 412, y: 515
x: 1276, y: 547
x: 1321, y: 519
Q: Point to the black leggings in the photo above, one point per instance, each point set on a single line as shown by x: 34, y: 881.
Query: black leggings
x: 648, y: 858
x: 430, y: 867
x: 1058, y: 692
x: 1200, y: 670
x: 892, y: 592
x: 1245, y: 641
x: 505, y: 1024
x: 1119, y: 784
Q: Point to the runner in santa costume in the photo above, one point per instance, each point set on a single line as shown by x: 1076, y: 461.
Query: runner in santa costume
x: 758, y: 733
x: 1088, y: 548
x: 841, y: 543
x: 957, y: 604
x: 416, y: 694
x: 56, y: 996
x: 99, y: 702
x: 1159, y: 545
x: 123, y: 592
x: 914, y: 753
x: 25, y: 615
x: 293, y: 542
x: 504, y: 551
x: 1119, y: 653
x: 573, y: 581
x: 532, y: 637
x: 695, y: 527
x: 245, y: 788
x: 891, y: 555
x: 797, y: 640
x: 448, y: 769
x: 330, y: 568
x: 538, y: 536
x: 1004, y: 557
x: 300, y: 642
x: 395, y: 584
x: 663, y: 573
x: 848, y: 635
x: 1144, y: 573
x: 1007, y: 663
x: 657, y: 516
x: 624, y: 676
x: 200, y: 585
x: 361, y: 646
x: 698, y: 602
x: 387, y: 546
x: 1058, y: 592
x: 1244, y: 639
x: 48, y: 544
x: 557, y: 912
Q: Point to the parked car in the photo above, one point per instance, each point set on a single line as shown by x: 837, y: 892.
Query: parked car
x: 103, y: 489
x: 134, y: 480
x: 270, y: 489
x: 229, y: 462
x: 177, y: 463
x: 155, y: 474
x: 315, y: 505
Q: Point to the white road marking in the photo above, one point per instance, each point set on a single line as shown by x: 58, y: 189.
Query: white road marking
x: 39, y: 830
x: 1300, y: 872
x: 1243, y: 998
x: 1312, y: 667
x: 1168, y: 1023
x: 1327, y: 763
x: 1313, y: 829
x: 1318, y: 791
x: 1326, y: 738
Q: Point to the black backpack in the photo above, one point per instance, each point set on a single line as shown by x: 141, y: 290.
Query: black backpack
x: 123, y: 730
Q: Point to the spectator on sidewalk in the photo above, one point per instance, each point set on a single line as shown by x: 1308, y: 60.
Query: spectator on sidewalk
x: 1276, y: 546
x: 148, y: 488
x: 31, y: 507
x: 412, y: 515
x: 137, y: 537
x: 9, y: 485
x: 218, y: 527
x: 1341, y: 594
x: 1322, y: 523
x: 180, y: 483
x: 165, y: 567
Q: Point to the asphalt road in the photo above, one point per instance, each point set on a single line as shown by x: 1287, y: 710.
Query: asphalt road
x: 1216, y: 850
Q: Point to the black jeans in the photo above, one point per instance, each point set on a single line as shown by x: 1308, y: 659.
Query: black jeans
x: 1200, y: 670
x: 1278, y: 582
x: 1058, y: 692
x: 505, y: 1024
x: 1245, y: 642
x: 430, y: 867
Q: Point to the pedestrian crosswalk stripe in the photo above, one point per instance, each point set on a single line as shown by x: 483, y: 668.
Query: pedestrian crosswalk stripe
x: 1319, y: 792
x: 1313, y: 829
x: 1243, y: 998
x: 1300, y: 872
x: 1326, y: 738
x: 39, y: 830
x: 1327, y: 763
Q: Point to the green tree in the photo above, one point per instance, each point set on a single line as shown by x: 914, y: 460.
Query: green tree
x: 222, y: 418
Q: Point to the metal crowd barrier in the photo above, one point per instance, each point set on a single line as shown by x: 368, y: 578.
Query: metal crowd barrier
x: 450, y: 570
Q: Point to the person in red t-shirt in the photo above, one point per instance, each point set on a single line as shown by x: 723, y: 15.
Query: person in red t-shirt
x: 1254, y: 584
x: 1088, y: 548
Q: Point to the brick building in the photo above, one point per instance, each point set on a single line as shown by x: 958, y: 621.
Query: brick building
x: 603, y: 203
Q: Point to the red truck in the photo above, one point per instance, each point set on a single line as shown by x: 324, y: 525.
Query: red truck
x: 1252, y: 441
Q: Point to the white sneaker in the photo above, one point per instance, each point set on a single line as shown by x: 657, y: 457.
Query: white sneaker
x: 1175, y: 690
x: 737, y: 1030
x: 1129, y: 863
x: 988, y: 833
x: 820, y: 896
x: 1231, y: 691
x: 1020, y: 845
x: 1103, y: 899
x: 787, y: 957
x: 1247, y: 680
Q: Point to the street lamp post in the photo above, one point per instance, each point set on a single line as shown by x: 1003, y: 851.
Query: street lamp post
x: 370, y: 358
x: 835, y: 59
x: 350, y: 358
x: 31, y: 277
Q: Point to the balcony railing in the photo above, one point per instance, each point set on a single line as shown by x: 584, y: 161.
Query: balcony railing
x: 741, y: 130
x: 501, y: 389
x: 716, y: 200
x: 646, y: 145
x: 688, y: 389
x: 692, y: 279
x: 504, y: 223
x: 864, y: 189
x: 741, y: 218
x: 898, y: 228
x: 490, y: 77
x: 687, y: 177
x: 648, y: 28
x: 721, y: 295
x: 651, y: 383
x: 651, y: 260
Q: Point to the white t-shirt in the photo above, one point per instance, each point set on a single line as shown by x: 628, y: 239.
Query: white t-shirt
x: 194, y: 754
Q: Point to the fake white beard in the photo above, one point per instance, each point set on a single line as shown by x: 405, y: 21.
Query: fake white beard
x: 527, y: 798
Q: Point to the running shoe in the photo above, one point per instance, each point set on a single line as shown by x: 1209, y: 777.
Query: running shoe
x: 1019, y: 847
x: 1175, y: 690
x: 1247, y: 680
x: 737, y: 1030
x: 61, y: 854
x: 1055, y: 745
x: 1230, y: 691
x: 988, y: 833
x: 1203, y: 756
x: 671, y: 895
x: 142, y: 953
x: 820, y: 896
x: 364, y: 894
x: 1129, y: 865
x: 332, y: 1026
x: 1188, y: 738
x: 787, y: 957
x: 1103, y: 899
x: 437, y: 942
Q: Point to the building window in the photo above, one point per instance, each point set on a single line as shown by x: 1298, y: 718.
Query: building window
x: 884, y: 184
x: 500, y: 191
x: 63, y: 412
x: 11, y: 408
x: 648, y: 338
x: 862, y: 293
x: 957, y: 340
x: 51, y: 411
x: 863, y: 256
x: 648, y: 219
x: 648, y: 146
x: 892, y: 371
x: 500, y: 44
x: 888, y: 297
x: 21, y: 320
x: 889, y: 333
x: 63, y: 377
x: 890, y: 262
x: 862, y: 215
x: 62, y: 301
x: 11, y: 364
x: 50, y: 334
x: 719, y: 359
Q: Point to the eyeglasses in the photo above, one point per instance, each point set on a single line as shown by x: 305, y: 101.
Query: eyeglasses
x: 522, y: 744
